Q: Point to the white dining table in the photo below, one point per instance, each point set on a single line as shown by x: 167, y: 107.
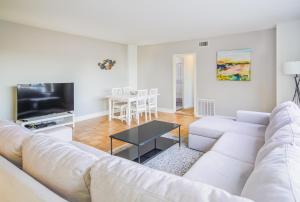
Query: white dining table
x: 129, y: 99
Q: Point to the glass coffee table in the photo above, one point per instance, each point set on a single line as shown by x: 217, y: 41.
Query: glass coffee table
x: 147, y: 140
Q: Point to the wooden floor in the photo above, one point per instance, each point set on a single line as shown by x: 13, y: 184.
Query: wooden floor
x: 187, y: 111
x: 96, y: 132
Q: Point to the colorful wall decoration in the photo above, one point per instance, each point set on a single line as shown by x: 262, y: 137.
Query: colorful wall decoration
x: 234, y: 65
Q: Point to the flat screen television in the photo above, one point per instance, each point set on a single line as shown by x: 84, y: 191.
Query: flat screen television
x: 42, y: 99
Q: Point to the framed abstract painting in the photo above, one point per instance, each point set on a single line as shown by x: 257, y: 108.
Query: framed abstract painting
x: 234, y: 65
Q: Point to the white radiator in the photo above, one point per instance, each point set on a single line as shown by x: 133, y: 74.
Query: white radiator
x: 206, y: 107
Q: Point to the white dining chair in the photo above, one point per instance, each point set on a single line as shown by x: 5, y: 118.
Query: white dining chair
x: 152, y: 102
x: 118, y: 107
x: 140, y: 106
x: 127, y: 91
x: 117, y: 92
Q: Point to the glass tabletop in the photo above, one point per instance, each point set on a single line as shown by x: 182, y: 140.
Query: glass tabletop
x: 145, y: 132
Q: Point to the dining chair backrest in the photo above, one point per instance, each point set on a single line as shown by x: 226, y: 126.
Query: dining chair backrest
x: 153, y: 92
x: 117, y: 92
x: 142, y: 98
x: 128, y: 90
x: 142, y: 93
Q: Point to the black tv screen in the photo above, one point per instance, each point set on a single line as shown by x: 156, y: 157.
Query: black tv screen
x: 35, y: 100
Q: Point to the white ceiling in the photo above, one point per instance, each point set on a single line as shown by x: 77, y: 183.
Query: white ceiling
x: 150, y: 21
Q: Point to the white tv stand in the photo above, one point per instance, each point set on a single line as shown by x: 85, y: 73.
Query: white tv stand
x: 59, y: 120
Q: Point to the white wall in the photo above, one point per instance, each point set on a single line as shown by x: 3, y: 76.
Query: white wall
x: 132, y: 65
x: 155, y: 70
x: 288, y: 49
x: 32, y: 55
x: 188, y: 97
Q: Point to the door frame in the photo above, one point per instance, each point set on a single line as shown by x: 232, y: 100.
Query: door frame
x: 194, y: 80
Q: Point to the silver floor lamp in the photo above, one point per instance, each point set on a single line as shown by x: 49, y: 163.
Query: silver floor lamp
x: 293, y: 68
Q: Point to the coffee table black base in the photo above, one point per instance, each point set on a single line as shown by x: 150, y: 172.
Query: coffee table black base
x: 147, y: 151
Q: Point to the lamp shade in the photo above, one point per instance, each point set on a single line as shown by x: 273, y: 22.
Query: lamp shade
x: 292, y: 67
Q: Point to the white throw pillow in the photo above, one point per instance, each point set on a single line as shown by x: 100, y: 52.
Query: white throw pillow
x: 286, y: 115
x: 276, y: 178
x: 117, y: 180
x: 12, y: 137
x: 60, y: 166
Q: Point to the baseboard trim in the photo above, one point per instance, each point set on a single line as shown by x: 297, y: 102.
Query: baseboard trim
x: 218, y: 116
x: 166, y: 110
x: 104, y: 113
x: 90, y: 116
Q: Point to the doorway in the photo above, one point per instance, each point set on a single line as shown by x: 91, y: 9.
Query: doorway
x: 179, y: 82
x: 184, y: 70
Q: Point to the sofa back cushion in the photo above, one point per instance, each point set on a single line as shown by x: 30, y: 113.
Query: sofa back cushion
x: 276, y: 177
x: 16, y: 185
x: 60, y: 166
x: 261, y: 118
x: 89, y: 149
x: 288, y: 134
x: 116, y: 180
x: 281, y: 106
x: 282, y: 115
x: 12, y: 137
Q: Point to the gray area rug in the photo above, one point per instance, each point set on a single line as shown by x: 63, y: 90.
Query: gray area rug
x: 175, y: 160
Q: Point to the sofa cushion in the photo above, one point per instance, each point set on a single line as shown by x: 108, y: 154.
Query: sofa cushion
x: 59, y: 165
x: 281, y: 106
x: 116, y: 180
x: 265, y: 150
x: 288, y: 134
x: 240, y: 147
x: 6, y: 123
x: 221, y: 171
x: 276, y: 178
x: 16, y: 185
x: 12, y: 137
x: 282, y: 116
x: 214, y: 127
x: 261, y: 118
x: 201, y: 143
x: 89, y: 149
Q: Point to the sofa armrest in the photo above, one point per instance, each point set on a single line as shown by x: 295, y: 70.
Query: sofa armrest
x: 261, y: 118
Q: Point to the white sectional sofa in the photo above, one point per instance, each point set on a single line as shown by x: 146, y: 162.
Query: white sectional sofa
x: 256, y: 155
x: 39, y: 168
x: 239, y: 166
x: 204, y: 133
